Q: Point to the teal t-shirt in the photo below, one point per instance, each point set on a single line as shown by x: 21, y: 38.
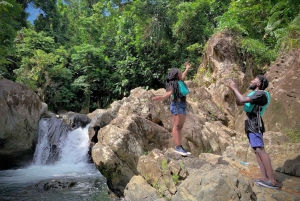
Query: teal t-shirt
x: 259, y: 102
x: 248, y: 107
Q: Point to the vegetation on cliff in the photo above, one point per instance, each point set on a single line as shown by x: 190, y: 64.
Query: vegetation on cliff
x: 82, y: 55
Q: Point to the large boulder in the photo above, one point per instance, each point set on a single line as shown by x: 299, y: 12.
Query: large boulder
x: 222, y: 179
x: 139, y: 189
x: 135, y: 146
x: 221, y: 63
x: 75, y: 120
x: 121, y: 144
x: 138, y: 125
x: 134, y: 151
x: 284, y: 78
x: 99, y: 119
x: 165, y: 176
x: 21, y: 110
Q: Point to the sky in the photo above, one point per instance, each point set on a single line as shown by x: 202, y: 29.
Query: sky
x: 33, y: 12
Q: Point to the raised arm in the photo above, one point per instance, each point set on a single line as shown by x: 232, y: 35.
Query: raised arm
x: 165, y: 96
x: 240, y: 99
x: 187, y: 67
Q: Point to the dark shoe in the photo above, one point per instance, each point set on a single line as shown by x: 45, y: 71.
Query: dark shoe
x: 181, y: 151
x: 268, y: 184
x: 258, y: 180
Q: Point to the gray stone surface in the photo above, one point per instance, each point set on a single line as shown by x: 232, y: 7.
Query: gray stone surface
x: 20, y: 110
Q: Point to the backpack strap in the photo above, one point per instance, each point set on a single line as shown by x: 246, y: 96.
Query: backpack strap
x: 263, y: 108
x: 259, y: 119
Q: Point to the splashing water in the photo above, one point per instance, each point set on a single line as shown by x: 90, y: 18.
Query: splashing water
x: 71, y: 166
x: 70, y: 146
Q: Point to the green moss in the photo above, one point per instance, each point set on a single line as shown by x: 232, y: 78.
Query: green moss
x: 182, y: 166
x: 175, y: 178
x: 293, y: 135
x: 164, y: 165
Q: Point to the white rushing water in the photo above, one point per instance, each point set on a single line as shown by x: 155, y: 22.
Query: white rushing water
x: 73, y: 146
x: 71, y: 165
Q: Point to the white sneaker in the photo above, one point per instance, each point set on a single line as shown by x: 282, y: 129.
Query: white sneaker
x: 181, y: 151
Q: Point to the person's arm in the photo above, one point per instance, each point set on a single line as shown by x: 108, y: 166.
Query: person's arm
x: 187, y: 67
x: 165, y: 96
x: 240, y: 99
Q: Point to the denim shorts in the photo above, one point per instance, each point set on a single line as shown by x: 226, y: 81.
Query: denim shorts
x: 178, y: 108
x: 256, y: 140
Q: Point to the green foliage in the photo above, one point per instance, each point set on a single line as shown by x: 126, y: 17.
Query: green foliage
x: 261, y: 52
x: 34, y: 49
x: 10, y: 12
x: 246, y: 17
x: 164, y: 165
x: 294, y: 135
x: 52, y: 22
x: 193, y: 24
x: 281, y: 14
x: 263, y: 26
x: 175, y: 178
x: 182, y: 166
x: 289, y: 37
x: 87, y: 61
x: 28, y: 40
x: 86, y: 54
x: 44, y: 68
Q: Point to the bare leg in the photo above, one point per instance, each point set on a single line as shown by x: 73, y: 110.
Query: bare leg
x: 266, y: 164
x: 175, y: 131
x: 261, y: 166
x: 178, y: 121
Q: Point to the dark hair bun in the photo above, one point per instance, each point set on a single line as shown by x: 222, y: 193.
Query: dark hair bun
x: 264, y: 83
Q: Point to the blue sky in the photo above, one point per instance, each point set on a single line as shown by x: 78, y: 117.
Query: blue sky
x: 33, y: 12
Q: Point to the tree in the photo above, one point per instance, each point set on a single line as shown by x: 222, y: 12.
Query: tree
x: 91, y: 75
x: 10, y: 12
x: 43, y: 68
x: 283, y: 23
x: 52, y: 21
x: 99, y: 50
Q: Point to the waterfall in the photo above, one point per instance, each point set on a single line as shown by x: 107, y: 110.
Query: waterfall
x: 60, y: 169
x: 57, y: 144
x: 42, y: 150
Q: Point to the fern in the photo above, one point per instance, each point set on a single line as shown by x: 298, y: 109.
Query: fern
x: 273, y: 22
x: 289, y: 37
x: 279, y: 6
x: 259, y: 50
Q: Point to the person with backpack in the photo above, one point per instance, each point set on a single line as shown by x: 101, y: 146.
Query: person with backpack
x: 255, y: 104
x: 174, y: 82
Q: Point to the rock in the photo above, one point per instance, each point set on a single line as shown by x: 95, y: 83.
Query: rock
x: 158, y: 173
x: 220, y: 64
x: 75, y: 120
x: 115, y: 170
x: 291, y: 167
x: 219, y: 183
x: 21, y: 110
x: 130, y: 144
x: 283, y: 111
x: 276, y: 144
x: 118, y: 148
x: 225, y: 183
x: 137, y: 141
x: 54, y: 184
x: 139, y: 190
x: 99, y: 119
